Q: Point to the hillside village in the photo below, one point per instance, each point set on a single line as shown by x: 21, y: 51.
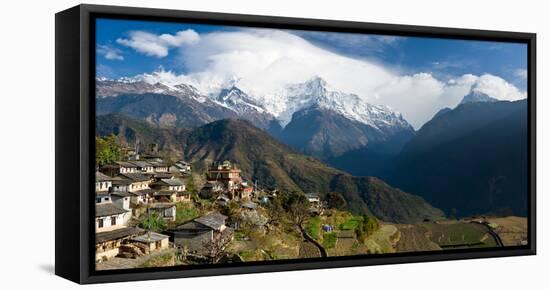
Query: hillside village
x: 144, y: 206
x: 155, y: 211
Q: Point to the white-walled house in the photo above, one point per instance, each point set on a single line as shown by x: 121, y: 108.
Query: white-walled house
x: 165, y: 210
x: 119, y: 167
x: 144, y: 167
x: 102, y: 182
x: 122, y: 200
x: 108, y: 217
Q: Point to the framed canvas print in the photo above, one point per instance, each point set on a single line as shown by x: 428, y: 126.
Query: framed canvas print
x: 195, y: 144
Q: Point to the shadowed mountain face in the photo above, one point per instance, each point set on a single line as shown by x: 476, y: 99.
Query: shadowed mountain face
x: 274, y: 165
x: 324, y: 134
x: 470, y: 160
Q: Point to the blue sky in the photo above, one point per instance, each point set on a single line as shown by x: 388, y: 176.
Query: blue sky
x: 445, y: 58
x: 415, y: 76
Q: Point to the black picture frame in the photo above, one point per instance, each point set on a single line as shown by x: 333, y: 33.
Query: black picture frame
x: 75, y: 124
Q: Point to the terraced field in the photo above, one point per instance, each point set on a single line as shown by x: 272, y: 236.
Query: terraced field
x: 512, y: 230
x: 453, y: 235
x: 415, y: 238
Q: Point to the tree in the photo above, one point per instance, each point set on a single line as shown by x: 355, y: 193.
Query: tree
x: 153, y: 222
x: 366, y: 227
x: 215, y: 249
x: 107, y: 150
x: 297, y: 206
x: 336, y: 201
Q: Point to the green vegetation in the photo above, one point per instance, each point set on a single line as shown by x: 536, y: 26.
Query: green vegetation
x: 329, y: 240
x: 336, y: 201
x: 153, y: 222
x: 313, y: 227
x: 158, y: 261
x: 366, y: 227
x: 186, y: 212
x: 456, y: 235
x: 351, y: 223
x: 107, y: 150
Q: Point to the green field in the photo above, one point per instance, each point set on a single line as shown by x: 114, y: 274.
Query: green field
x: 351, y: 223
x: 313, y: 227
x: 460, y: 235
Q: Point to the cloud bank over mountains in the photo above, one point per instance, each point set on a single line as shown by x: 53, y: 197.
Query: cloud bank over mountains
x: 262, y: 62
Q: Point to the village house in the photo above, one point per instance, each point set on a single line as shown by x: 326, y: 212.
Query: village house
x: 144, y: 167
x: 159, y: 167
x: 137, y: 196
x: 315, y: 203
x: 102, y: 182
x: 181, y: 167
x: 119, y: 167
x: 107, y: 243
x: 160, y: 176
x: 129, y: 153
x: 226, y: 173
x: 229, y: 176
x: 211, y: 189
x: 198, y: 233
x: 165, y: 210
x: 108, y: 216
x: 153, y: 241
x: 245, y: 191
x: 173, y: 189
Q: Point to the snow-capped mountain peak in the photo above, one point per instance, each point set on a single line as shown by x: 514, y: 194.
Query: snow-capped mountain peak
x: 477, y: 96
x: 281, y: 104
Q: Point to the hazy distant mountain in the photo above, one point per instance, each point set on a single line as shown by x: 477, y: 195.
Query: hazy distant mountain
x: 469, y: 160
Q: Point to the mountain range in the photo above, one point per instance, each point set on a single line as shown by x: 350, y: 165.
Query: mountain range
x: 471, y: 159
x: 274, y: 165
x: 286, y: 114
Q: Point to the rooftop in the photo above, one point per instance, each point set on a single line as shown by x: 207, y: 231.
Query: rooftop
x: 117, y: 234
x: 213, y: 220
x: 142, y: 192
x: 100, y: 177
x: 137, y: 177
x: 150, y: 237
x: 141, y: 164
x: 161, y: 205
x: 108, y: 209
x: 171, y: 182
x: 125, y: 164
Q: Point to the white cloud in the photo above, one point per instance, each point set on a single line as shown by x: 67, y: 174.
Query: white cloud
x: 158, y: 45
x: 498, y: 88
x: 110, y: 52
x: 521, y: 73
x: 262, y: 62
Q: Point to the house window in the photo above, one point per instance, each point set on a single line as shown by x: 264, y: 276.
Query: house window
x: 100, y: 223
x: 113, y: 220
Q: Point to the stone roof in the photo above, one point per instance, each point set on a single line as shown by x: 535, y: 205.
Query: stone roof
x: 100, y: 177
x: 171, y: 182
x: 142, y: 192
x: 150, y: 237
x: 141, y: 164
x: 108, y: 209
x: 213, y: 220
x: 136, y: 177
x: 125, y: 164
x: 161, y: 205
x: 127, y: 232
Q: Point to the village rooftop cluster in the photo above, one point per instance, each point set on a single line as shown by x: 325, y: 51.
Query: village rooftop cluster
x: 144, y: 184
